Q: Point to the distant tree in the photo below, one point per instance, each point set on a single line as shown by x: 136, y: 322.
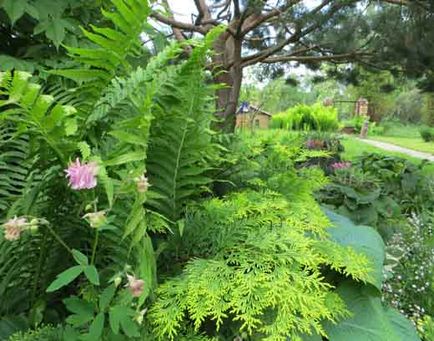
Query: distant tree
x: 273, y: 32
x: 277, y: 95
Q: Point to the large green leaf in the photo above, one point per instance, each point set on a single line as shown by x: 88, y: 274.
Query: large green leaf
x: 362, y: 239
x: 15, y: 9
x: 402, y: 325
x: 12, y: 324
x: 91, y: 274
x: 65, y: 278
x: 370, y: 321
x: 55, y: 31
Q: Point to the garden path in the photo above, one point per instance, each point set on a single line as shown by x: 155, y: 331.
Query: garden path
x: 395, y: 148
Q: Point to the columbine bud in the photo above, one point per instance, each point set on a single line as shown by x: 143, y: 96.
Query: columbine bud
x: 33, y: 225
x: 117, y: 281
x: 142, y: 184
x: 13, y: 228
x: 96, y: 219
x: 140, y: 315
x: 135, y: 285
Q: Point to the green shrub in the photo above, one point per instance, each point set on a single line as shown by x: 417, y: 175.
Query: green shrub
x: 379, y: 191
x: 355, y: 122
x: 427, y: 134
x: 409, y: 269
x: 43, y: 333
x: 304, y: 117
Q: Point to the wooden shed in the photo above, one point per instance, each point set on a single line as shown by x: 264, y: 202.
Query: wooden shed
x: 251, y: 116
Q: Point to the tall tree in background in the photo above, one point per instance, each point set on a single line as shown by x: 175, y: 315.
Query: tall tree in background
x: 273, y: 32
x: 406, y: 40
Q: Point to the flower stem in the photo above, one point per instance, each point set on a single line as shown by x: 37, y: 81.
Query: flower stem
x: 60, y: 240
x: 95, y: 244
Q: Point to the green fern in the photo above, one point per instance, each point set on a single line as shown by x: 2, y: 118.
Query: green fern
x: 181, y: 146
x: 36, y: 112
x: 123, y: 93
x: 113, y: 45
x: 16, y: 165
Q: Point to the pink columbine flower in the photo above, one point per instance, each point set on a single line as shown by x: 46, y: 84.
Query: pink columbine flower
x: 341, y: 165
x: 13, y: 228
x: 82, y: 176
x: 142, y: 184
x: 135, y: 285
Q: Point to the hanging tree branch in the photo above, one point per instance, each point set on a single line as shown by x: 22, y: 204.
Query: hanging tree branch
x: 315, y: 58
x: 256, y: 20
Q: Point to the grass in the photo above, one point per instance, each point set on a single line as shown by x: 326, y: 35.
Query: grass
x: 415, y: 143
x: 355, y: 148
x: 403, y: 135
x: 396, y: 129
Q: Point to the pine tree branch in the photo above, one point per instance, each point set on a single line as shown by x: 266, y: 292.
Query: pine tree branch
x: 333, y: 57
x: 260, y: 56
x: 255, y: 20
x: 204, y: 13
x: 237, y: 11
x: 175, y: 24
x: 423, y: 4
x: 398, y: 2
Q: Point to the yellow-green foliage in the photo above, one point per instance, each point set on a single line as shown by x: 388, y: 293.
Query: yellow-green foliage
x: 254, y: 263
x: 307, y: 117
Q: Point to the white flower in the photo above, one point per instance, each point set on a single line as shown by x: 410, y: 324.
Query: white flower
x: 142, y: 184
x: 13, y: 228
x: 96, y: 219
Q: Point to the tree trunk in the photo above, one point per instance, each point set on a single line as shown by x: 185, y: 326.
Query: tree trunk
x: 229, y: 74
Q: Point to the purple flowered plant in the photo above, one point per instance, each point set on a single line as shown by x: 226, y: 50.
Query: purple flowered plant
x: 340, y: 165
x: 82, y: 176
x: 314, y: 144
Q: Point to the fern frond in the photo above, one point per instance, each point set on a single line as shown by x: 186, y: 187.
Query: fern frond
x: 38, y: 113
x: 123, y: 93
x: 113, y: 45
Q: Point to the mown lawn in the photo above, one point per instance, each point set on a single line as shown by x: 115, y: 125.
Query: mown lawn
x: 415, y: 143
x: 403, y: 135
x: 355, y: 148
